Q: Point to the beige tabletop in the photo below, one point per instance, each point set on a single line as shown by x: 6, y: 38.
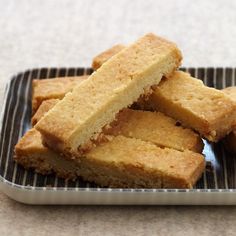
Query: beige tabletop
x: 69, y: 33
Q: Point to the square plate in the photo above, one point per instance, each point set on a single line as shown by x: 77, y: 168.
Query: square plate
x: 217, y: 185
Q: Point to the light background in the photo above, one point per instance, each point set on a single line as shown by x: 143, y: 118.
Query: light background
x: 69, y: 33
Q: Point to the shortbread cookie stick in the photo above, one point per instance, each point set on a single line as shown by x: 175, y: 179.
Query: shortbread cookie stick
x: 207, y: 110
x: 121, y: 162
x: 82, y: 114
x: 155, y: 127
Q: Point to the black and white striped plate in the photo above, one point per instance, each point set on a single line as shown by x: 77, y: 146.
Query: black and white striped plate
x: 217, y: 185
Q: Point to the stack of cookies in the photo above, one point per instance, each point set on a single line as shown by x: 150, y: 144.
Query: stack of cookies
x: 135, y: 122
